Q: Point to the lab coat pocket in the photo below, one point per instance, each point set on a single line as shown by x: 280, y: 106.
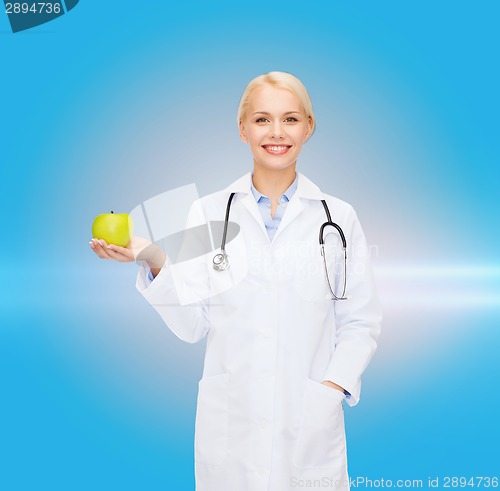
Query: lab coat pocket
x: 321, y: 437
x: 211, y: 427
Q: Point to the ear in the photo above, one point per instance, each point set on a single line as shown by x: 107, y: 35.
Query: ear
x: 243, y: 135
x: 310, y: 127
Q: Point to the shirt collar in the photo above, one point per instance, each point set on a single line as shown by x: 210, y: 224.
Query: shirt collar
x: 287, y: 194
x: 305, y: 188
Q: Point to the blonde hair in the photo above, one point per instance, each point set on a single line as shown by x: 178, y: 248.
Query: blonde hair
x: 281, y: 80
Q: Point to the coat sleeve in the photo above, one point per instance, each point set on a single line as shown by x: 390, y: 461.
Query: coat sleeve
x: 358, y: 319
x: 187, y: 320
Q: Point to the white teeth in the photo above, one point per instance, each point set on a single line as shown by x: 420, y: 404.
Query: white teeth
x: 276, y: 148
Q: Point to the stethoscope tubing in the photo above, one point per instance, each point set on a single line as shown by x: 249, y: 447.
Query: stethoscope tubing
x: 221, y: 260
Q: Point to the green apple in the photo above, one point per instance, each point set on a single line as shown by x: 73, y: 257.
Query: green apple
x: 114, y: 228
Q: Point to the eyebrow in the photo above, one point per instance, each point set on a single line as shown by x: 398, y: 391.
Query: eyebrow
x: 268, y: 114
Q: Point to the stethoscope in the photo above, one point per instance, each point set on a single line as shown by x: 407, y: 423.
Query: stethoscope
x: 221, y: 260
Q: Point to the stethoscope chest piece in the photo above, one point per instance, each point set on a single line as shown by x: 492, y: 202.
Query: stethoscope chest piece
x: 221, y: 261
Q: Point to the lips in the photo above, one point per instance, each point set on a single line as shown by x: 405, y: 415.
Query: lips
x: 276, y: 149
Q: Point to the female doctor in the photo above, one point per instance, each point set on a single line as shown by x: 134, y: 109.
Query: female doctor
x: 290, y: 338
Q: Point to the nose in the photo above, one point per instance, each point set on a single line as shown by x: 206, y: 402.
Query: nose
x: 276, y: 130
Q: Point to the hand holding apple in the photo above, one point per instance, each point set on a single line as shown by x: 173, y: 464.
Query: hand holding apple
x: 113, y: 228
x: 137, y: 249
x: 113, y: 240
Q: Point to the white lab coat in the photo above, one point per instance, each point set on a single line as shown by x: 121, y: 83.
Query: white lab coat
x: 264, y: 421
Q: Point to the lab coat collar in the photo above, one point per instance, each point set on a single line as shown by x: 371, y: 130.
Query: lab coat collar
x: 241, y: 185
x: 305, y: 188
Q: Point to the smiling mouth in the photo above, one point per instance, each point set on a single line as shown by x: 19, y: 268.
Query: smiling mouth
x: 276, y: 149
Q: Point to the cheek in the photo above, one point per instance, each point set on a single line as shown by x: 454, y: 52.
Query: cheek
x: 255, y: 137
x: 299, y: 138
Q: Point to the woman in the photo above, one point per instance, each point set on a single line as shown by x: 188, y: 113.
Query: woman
x: 282, y: 354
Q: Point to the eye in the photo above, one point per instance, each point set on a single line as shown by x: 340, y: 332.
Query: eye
x: 261, y: 120
x: 291, y: 119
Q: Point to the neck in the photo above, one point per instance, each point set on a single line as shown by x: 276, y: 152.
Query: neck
x: 273, y: 183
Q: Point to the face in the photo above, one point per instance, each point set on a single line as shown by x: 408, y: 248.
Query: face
x: 275, y: 127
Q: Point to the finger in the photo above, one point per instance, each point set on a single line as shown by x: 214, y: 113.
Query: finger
x: 116, y: 248
x: 119, y: 253
x: 99, y: 249
x: 107, y: 249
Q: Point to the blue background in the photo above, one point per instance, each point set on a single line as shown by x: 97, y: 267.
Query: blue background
x: 114, y: 103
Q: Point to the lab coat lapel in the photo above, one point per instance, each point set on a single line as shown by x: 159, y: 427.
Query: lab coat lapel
x: 253, y: 208
x: 305, y: 190
x: 293, y: 210
x: 244, y: 186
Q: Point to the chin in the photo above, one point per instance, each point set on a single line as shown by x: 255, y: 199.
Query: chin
x: 276, y: 166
